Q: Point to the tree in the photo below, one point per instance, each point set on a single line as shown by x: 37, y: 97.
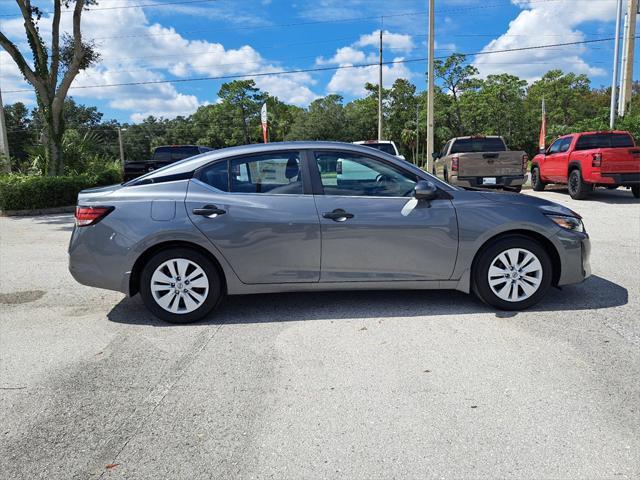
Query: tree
x: 324, y: 120
x: 456, y: 78
x: 19, y: 133
x: 402, y: 115
x: 361, y: 114
x: 53, y: 71
x: 245, y: 99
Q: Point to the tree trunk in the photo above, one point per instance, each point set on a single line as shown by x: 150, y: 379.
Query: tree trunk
x: 55, y: 131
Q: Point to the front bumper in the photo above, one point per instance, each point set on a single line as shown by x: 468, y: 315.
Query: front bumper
x: 477, y: 182
x: 575, y: 250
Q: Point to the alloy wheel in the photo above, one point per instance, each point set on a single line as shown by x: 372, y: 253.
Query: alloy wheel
x: 515, y: 275
x: 179, y: 285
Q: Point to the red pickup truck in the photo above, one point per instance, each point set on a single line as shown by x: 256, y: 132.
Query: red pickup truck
x: 584, y: 160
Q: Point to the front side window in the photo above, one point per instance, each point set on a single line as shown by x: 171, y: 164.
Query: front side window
x: 271, y: 173
x: 555, y: 147
x: 349, y: 174
x: 566, y: 143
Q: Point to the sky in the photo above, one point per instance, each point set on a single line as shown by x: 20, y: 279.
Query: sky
x: 146, y: 41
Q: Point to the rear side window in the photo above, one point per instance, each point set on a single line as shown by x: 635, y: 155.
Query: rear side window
x: 216, y: 175
x: 271, y: 173
x: 470, y: 145
x: 173, y: 154
x: 604, y: 140
x: 383, y: 147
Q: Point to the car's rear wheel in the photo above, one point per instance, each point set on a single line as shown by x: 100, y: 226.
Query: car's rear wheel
x: 636, y: 191
x: 180, y: 285
x: 578, y: 189
x: 512, y: 273
x: 536, y: 182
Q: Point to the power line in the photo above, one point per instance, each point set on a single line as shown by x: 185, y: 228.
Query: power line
x: 147, y: 5
x: 321, y: 69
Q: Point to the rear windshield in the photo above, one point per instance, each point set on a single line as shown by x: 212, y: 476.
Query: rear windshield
x: 604, y: 140
x: 173, y: 154
x: 468, y: 145
x: 385, y: 147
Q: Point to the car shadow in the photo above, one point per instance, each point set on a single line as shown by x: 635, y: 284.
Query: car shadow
x: 620, y: 196
x: 64, y: 221
x: 595, y: 292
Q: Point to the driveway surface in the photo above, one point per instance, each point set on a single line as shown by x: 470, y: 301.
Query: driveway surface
x: 362, y: 385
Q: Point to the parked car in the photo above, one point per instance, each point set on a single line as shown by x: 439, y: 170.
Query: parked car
x: 589, y: 159
x: 280, y: 217
x: 386, y: 146
x: 162, y: 156
x: 481, y: 161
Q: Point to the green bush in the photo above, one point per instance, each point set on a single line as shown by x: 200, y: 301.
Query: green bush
x: 27, y: 192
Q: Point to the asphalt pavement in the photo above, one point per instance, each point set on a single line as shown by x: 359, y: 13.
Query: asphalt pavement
x: 359, y: 385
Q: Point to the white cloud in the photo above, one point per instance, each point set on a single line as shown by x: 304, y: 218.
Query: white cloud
x: 540, y: 24
x: 353, y: 80
x: 394, y: 41
x: 11, y: 79
x: 344, y: 55
x: 133, y: 50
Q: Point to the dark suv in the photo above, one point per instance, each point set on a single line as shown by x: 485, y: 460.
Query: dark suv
x: 162, y: 156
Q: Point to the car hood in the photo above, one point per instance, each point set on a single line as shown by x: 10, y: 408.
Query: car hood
x: 528, y: 200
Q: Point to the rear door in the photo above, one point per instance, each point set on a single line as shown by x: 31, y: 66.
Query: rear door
x: 371, y: 231
x: 259, y: 212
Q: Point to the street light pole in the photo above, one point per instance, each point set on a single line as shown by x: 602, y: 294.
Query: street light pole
x: 380, y: 89
x: 614, y: 81
x: 120, y: 130
x: 4, y: 142
x: 430, y: 87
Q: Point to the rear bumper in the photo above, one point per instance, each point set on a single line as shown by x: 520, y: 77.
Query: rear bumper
x: 501, y: 181
x: 623, y: 179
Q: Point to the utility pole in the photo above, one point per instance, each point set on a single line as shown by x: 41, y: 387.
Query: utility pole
x: 614, y: 80
x: 380, y: 85
x: 430, y: 88
x: 628, y: 48
x: 417, y: 133
x: 5, y: 165
x: 120, y: 130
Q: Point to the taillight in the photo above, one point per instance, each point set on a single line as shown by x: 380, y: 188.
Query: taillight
x: 86, y: 216
x: 525, y: 162
x: 597, y: 160
x: 455, y: 164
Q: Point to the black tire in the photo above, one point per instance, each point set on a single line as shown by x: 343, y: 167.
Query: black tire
x: 213, y: 297
x: 635, y: 190
x: 517, y: 188
x: 484, y: 260
x: 578, y: 189
x: 536, y: 182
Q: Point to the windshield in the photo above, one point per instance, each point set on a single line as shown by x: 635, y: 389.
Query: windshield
x: 469, y: 145
x: 173, y: 154
x: 604, y: 140
x: 384, y: 147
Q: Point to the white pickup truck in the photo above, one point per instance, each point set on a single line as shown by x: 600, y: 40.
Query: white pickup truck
x: 481, y: 161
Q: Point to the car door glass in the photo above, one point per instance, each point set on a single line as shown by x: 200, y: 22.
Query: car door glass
x: 216, y: 175
x: 555, y: 147
x: 566, y: 143
x: 272, y: 173
x: 348, y: 174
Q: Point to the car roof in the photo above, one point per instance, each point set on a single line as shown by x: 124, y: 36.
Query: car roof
x: 192, y: 163
x: 370, y: 142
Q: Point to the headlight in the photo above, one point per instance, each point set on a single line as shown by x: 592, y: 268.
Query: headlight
x: 568, y: 223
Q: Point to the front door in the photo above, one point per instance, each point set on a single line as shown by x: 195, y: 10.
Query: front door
x: 372, y: 227
x: 259, y: 213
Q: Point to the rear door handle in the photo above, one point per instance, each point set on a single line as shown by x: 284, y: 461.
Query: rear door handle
x: 210, y: 211
x: 338, y: 215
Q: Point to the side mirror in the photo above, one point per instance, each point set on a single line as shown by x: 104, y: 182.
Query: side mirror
x: 425, y: 190
x: 435, y: 155
x: 543, y: 151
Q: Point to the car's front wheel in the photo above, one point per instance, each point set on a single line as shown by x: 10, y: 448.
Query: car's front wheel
x: 536, y: 182
x: 180, y: 285
x: 512, y: 273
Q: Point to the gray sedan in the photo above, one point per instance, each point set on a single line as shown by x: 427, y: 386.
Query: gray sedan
x: 309, y: 216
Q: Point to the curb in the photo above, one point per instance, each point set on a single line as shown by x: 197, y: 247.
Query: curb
x: 37, y: 211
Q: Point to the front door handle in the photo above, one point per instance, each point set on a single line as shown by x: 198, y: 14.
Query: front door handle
x: 338, y: 215
x: 210, y: 211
